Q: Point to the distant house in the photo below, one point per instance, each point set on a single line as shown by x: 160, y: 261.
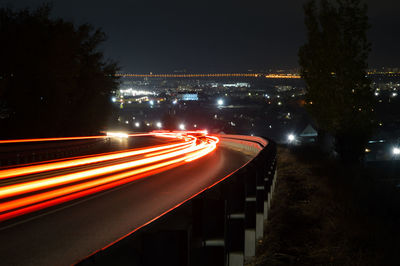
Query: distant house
x: 309, y: 134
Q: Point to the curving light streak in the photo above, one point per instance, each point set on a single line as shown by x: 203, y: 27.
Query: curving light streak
x: 26, y: 187
x: 41, y: 205
x: 97, y: 182
x: 65, y: 138
x: 169, y: 150
x: 49, y: 139
x: 32, y: 169
x: 201, y: 153
x: 38, y: 194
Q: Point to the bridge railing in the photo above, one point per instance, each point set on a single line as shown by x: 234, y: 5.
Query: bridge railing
x: 219, y: 226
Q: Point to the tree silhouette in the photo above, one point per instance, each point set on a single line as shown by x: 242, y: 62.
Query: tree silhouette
x: 53, y: 79
x: 333, y: 64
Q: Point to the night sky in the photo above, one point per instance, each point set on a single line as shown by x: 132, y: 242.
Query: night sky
x: 213, y: 36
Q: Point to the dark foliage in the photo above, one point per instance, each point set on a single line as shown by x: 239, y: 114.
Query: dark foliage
x: 333, y: 64
x: 53, y: 79
x: 169, y: 121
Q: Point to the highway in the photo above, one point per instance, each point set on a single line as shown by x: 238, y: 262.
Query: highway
x: 74, y: 227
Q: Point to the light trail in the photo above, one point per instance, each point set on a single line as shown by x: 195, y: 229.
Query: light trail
x: 97, y: 182
x: 26, y: 187
x: 49, y: 139
x: 32, y: 169
x: 28, y: 196
x: 67, y: 138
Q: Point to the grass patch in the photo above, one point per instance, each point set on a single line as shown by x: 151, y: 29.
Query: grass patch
x: 324, y: 213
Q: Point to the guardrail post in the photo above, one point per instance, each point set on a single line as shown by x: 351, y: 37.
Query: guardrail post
x: 275, y: 173
x: 270, y: 161
x: 260, y: 187
x: 273, y: 176
x: 267, y: 191
x: 250, y: 212
x: 235, y: 220
x: 213, y: 228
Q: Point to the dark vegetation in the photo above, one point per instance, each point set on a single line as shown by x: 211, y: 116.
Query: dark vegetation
x: 324, y: 213
x: 53, y: 79
x: 333, y: 64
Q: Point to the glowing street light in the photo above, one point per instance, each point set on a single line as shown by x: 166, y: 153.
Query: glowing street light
x: 220, y: 102
x: 158, y: 124
x: 291, y: 138
x: 182, y: 126
x: 137, y: 124
x: 396, y: 151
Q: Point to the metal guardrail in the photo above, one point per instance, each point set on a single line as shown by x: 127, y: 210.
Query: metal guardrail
x: 23, y: 153
x: 219, y: 226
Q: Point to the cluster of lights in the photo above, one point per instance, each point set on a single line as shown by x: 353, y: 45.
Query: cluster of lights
x: 271, y: 76
x: 157, y: 124
x: 237, y: 85
x: 187, y: 75
x: 132, y: 92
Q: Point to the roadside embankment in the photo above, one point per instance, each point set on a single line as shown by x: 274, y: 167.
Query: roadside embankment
x: 324, y: 213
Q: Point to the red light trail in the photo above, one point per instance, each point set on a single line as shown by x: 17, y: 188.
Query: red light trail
x: 21, y: 193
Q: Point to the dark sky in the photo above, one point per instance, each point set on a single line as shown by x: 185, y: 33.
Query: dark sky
x: 213, y: 36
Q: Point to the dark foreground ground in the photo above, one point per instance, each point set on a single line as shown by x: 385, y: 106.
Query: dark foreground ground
x: 324, y: 213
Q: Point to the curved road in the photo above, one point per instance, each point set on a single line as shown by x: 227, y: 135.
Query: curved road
x: 64, y: 234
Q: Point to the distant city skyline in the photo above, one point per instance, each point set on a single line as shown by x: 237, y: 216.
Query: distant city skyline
x: 271, y: 72
x: 215, y: 37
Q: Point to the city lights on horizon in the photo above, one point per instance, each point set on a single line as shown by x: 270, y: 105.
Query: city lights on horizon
x: 211, y: 75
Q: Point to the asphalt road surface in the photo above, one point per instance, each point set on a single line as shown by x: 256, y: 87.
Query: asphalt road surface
x: 67, y: 233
